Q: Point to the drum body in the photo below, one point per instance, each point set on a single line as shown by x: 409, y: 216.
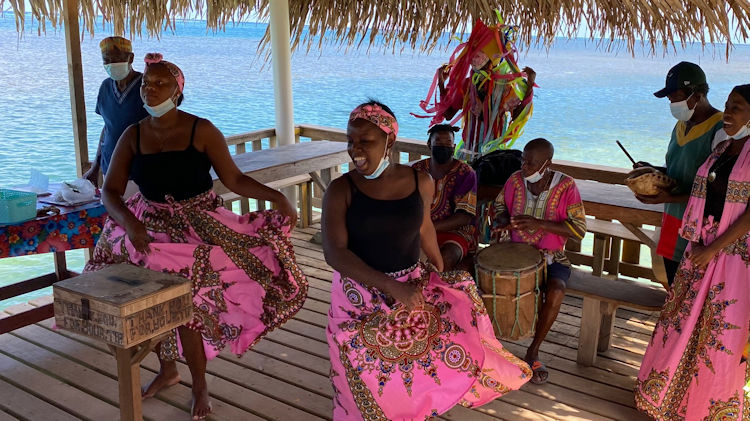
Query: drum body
x: 511, y: 276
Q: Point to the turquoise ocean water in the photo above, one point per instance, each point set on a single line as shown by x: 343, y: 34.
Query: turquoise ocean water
x: 587, y: 97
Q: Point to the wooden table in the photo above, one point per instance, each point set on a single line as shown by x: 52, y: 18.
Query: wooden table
x: 289, y: 161
x: 617, y: 202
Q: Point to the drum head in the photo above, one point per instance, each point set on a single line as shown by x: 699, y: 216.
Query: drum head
x: 509, y: 257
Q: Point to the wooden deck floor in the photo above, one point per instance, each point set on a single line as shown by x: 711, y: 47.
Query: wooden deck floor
x: 55, y: 375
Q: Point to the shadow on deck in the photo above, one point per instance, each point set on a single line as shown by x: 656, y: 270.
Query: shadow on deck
x: 55, y: 375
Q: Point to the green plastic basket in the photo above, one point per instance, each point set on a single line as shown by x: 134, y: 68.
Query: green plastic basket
x: 16, y: 206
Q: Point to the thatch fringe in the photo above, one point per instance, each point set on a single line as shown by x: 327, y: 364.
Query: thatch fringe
x: 422, y: 23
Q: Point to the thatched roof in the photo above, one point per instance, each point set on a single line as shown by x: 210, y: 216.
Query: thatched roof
x: 420, y: 23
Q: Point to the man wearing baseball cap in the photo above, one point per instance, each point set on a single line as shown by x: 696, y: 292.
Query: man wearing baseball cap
x: 698, y: 124
x: 119, y: 101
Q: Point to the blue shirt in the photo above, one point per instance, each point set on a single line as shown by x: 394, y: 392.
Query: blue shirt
x: 118, y: 110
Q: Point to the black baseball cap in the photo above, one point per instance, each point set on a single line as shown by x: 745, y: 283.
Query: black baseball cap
x: 683, y: 75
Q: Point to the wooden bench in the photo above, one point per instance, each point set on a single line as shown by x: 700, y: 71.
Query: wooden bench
x: 304, y: 182
x: 608, y: 237
x: 601, y: 297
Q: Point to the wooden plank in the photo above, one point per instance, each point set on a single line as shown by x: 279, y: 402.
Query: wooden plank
x: 250, y: 136
x: 621, y: 291
x: 611, y: 201
x: 23, y: 287
x: 287, y: 161
x: 29, y: 407
x: 4, y: 416
x: 600, y: 173
x: 75, y: 83
x: 42, y: 352
x: 178, y: 396
x: 63, y: 395
x: 87, y: 369
x: 221, y: 388
x: 32, y: 315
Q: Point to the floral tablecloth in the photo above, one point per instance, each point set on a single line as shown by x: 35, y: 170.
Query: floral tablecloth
x: 74, y: 228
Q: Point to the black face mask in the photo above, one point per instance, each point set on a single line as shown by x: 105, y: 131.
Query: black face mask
x: 442, y: 154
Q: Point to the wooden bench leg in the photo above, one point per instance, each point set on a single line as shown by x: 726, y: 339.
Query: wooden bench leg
x: 244, y: 206
x: 587, y: 340
x: 607, y: 325
x: 600, y: 253
x: 129, y: 384
x: 613, y: 264
x: 306, y: 204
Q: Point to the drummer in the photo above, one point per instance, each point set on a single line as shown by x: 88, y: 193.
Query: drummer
x: 543, y: 208
x: 454, y: 204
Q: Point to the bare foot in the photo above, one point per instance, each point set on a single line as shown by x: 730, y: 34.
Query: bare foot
x: 165, y: 378
x: 201, y: 402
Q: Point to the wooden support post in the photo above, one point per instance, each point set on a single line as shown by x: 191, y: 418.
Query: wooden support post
x: 574, y: 246
x: 613, y: 264
x: 607, y: 326
x: 631, y: 251
x: 587, y: 340
x: 129, y: 384
x: 61, y: 265
x: 600, y: 253
x: 657, y: 265
x: 75, y: 83
x: 272, y: 142
x: 306, y: 204
x: 244, y: 205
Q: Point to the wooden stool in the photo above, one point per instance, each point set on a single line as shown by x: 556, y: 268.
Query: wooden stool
x: 129, y: 308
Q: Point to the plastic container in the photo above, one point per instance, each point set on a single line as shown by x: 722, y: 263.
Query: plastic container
x: 16, y: 206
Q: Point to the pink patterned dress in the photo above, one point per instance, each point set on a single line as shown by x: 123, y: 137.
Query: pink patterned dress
x: 245, y: 279
x: 693, y: 368
x: 388, y: 363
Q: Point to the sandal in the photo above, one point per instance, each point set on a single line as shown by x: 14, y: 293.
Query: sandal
x: 541, y: 374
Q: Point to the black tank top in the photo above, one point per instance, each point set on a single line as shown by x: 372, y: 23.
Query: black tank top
x: 385, y: 233
x: 180, y: 174
x: 716, y: 190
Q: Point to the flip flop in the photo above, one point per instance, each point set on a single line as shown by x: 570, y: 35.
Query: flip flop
x: 541, y: 374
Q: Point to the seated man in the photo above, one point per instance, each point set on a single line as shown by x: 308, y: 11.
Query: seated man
x: 455, y: 202
x: 543, y: 208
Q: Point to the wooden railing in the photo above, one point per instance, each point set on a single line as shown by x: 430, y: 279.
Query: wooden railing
x: 625, y: 253
x: 405, y: 150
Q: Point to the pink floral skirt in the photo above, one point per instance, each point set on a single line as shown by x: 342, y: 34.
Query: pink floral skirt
x: 693, y: 368
x: 392, y: 364
x: 245, y: 278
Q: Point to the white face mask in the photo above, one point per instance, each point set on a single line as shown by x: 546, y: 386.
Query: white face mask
x: 118, y: 71
x: 680, y: 110
x: 382, y: 165
x: 161, y: 109
x: 533, y: 178
x: 743, y: 132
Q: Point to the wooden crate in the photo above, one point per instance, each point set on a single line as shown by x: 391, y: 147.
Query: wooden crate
x: 122, y: 305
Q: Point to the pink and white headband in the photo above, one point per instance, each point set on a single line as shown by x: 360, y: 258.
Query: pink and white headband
x: 376, y: 115
x: 157, y: 58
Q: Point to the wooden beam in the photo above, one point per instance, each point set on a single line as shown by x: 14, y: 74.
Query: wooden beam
x: 75, y: 83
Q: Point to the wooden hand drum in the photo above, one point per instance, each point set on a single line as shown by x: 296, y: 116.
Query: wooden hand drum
x: 510, y: 276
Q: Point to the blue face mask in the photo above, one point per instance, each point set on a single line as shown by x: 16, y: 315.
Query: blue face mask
x: 381, y: 166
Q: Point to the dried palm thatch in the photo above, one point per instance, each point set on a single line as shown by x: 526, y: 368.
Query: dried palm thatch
x: 423, y: 23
